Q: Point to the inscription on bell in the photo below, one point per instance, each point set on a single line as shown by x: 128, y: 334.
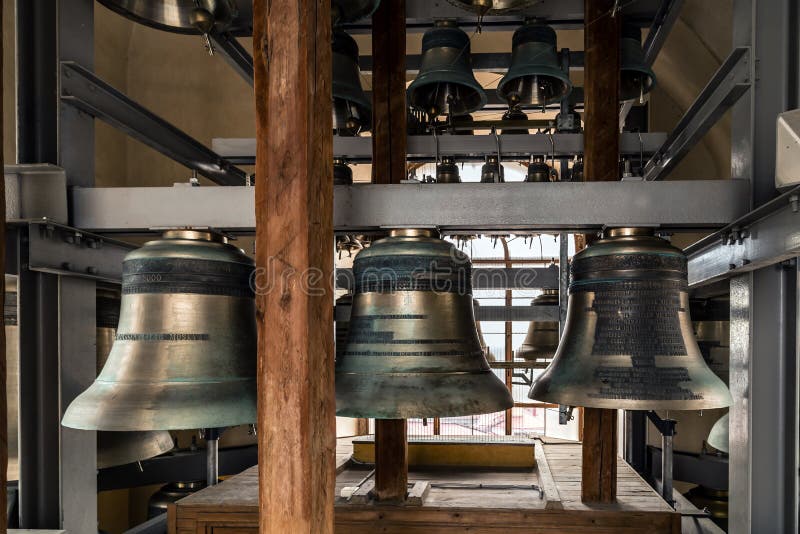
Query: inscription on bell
x: 643, y: 323
x: 162, y: 336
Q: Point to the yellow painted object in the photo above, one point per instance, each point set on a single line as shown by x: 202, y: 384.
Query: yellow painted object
x: 462, y: 452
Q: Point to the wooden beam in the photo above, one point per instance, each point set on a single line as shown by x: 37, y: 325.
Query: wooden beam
x: 599, y: 466
x: 389, y: 93
x: 601, y: 90
x: 391, y: 460
x: 601, y: 158
x: 294, y: 260
x: 3, y: 392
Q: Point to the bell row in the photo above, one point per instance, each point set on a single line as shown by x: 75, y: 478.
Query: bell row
x: 184, y: 351
x: 446, y: 85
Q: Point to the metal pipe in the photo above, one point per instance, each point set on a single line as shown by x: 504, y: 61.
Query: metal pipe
x: 666, y: 468
x: 212, y: 455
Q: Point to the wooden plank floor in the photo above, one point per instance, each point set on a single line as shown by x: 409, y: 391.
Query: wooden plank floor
x: 475, y: 500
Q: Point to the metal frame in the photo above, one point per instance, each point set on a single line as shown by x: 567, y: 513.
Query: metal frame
x: 455, y: 208
x: 55, y: 38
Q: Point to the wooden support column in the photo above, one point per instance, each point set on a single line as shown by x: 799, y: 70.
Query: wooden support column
x: 294, y: 261
x: 389, y: 167
x: 601, y: 158
x: 3, y: 392
x: 389, y: 93
x: 391, y: 459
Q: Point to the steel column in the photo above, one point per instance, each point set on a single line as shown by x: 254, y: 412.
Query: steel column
x: 763, y: 419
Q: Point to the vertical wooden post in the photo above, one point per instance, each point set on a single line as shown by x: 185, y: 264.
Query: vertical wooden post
x: 294, y: 261
x: 391, y: 459
x: 389, y: 93
x: 601, y: 158
x: 3, y: 392
x: 389, y: 167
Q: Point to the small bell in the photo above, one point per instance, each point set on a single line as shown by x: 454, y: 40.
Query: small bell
x: 514, y: 115
x: 719, y: 435
x: 492, y: 171
x: 538, y: 170
x: 342, y: 173
x: 636, y: 77
x: 628, y: 341
x: 445, y: 84
x: 447, y: 171
x: 542, y: 339
x: 352, y: 110
x: 184, y: 355
x: 535, y: 78
x: 577, y: 169
x: 412, y: 346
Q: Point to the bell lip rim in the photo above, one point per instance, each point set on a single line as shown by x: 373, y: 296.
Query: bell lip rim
x: 420, y: 231
x: 629, y: 231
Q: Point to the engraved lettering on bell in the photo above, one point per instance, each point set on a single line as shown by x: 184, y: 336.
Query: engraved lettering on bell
x: 628, y: 340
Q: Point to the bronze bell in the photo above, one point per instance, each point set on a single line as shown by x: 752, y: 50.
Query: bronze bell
x: 542, y: 339
x: 120, y: 448
x: 628, y: 341
x: 636, y: 77
x: 535, y: 77
x: 719, y: 435
x: 577, y: 169
x: 412, y: 347
x: 342, y: 173
x: 447, y: 171
x: 184, y: 355
x: 352, y: 110
x: 513, y: 115
x: 539, y: 170
x: 445, y: 84
x: 492, y: 171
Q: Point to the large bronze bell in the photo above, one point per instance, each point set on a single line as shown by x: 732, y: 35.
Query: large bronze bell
x: 628, y: 341
x: 184, y: 355
x: 719, y: 435
x: 535, y: 78
x: 447, y: 171
x: 352, y: 110
x: 636, y: 77
x: 412, y: 346
x: 542, y: 339
x: 445, y: 84
x: 119, y: 448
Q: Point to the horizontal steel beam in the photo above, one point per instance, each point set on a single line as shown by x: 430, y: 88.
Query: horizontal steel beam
x: 59, y: 249
x: 464, y: 147
x: 36, y: 191
x: 728, y: 84
x: 487, y: 278
x: 234, y: 54
x: 82, y: 89
x: 768, y: 235
x: 455, y: 208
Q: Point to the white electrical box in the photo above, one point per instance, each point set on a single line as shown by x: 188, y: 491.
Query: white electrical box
x: 787, y: 150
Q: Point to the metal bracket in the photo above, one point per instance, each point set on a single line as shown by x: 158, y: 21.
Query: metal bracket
x: 564, y: 414
x: 59, y: 249
x: 667, y: 429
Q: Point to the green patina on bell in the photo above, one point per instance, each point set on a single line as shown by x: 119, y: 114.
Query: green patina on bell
x: 535, y: 78
x: 413, y: 348
x: 445, y: 84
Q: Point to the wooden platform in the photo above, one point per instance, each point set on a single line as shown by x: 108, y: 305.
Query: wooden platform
x: 469, y: 499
